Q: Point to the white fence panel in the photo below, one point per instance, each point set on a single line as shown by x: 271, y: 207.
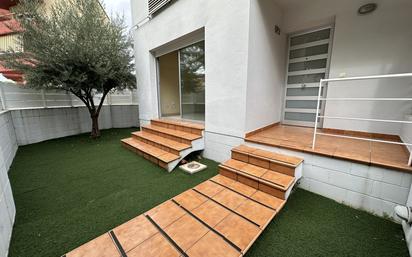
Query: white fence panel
x: 14, y: 96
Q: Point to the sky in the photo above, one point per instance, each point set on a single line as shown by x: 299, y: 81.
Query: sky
x: 121, y: 7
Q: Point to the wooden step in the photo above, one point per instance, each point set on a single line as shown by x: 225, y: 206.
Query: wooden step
x: 150, y: 152
x: 266, y: 159
x: 193, y: 128
x: 173, y: 134
x: 165, y: 144
x: 266, y: 180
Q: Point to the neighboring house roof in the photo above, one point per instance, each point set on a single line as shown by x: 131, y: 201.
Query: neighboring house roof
x: 8, y: 27
x: 11, y: 74
x: 6, y: 4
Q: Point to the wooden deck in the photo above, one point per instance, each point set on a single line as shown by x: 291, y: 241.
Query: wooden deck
x: 371, y: 153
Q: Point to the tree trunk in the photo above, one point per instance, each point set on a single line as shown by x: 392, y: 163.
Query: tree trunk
x: 95, y: 126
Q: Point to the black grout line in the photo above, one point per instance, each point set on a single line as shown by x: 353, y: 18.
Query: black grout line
x: 117, y: 243
x: 245, y: 174
x: 248, y: 197
x: 164, y: 234
x: 251, y: 221
x: 237, y: 248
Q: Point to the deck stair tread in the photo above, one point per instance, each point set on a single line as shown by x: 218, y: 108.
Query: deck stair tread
x: 161, y: 140
x: 172, y: 132
x: 158, y: 153
x: 265, y: 176
x: 191, y: 125
x: 271, y: 156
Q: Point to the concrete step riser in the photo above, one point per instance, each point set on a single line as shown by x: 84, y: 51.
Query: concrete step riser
x: 177, y: 127
x: 253, y: 183
x: 264, y: 163
x: 153, y: 143
x: 157, y: 133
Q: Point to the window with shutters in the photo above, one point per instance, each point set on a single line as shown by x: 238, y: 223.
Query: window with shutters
x: 156, y: 5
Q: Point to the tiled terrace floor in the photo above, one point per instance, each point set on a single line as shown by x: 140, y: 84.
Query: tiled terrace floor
x: 300, y: 138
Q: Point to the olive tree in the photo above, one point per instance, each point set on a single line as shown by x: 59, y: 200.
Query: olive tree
x: 75, y: 47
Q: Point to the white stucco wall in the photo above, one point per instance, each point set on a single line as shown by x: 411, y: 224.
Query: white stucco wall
x: 8, y: 148
x: 406, y: 132
x: 378, y: 43
x: 266, y: 65
x: 226, y: 33
x: 36, y: 125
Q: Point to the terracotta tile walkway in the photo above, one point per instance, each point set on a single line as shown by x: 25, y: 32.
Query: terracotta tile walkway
x: 300, y: 138
x: 220, y: 217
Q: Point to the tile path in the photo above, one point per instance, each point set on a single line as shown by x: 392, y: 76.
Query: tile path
x: 219, y: 217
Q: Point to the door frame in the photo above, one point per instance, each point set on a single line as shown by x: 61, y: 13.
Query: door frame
x: 316, y: 85
x: 187, y: 44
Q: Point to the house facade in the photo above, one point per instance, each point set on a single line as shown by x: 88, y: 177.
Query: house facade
x: 250, y: 70
x: 246, y: 60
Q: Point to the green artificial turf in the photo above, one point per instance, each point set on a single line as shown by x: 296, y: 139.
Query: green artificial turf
x: 71, y: 190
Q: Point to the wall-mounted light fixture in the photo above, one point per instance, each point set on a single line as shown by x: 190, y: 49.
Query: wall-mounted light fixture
x: 367, y: 8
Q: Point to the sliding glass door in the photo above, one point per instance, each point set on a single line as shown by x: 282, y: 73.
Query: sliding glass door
x: 181, y: 78
x: 192, y: 81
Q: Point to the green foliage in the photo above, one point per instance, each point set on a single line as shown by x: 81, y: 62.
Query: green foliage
x: 192, y: 67
x: 75, y: 47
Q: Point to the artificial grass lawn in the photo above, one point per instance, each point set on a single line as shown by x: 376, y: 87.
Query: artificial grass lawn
x: 71, y: 190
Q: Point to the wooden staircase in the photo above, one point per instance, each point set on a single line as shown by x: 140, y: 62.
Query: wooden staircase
x: 269, y: 172
x: 166, y: 142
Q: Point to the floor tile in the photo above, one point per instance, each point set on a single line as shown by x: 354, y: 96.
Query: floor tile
x: 268, y: 200
x: 156, y: 246
x: 254, y: 170
x: 209, y: 188
x: 223, y: 180
x: 256, y: 212
x: 211, y: 245
x: 102, y: 246
x: 278, y: 178
x: 190, y: 199
x: 135, y: 231
x: 211, y: 213
x: 229, y: 199
x: 234, y: 164
x: 186, y: 231
x: 238, y: 230
x: 242, y: 188
x: 166, y: 213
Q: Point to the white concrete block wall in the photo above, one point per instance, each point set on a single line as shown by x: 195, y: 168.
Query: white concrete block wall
x: 218, y: 146
x: 36, y: 125
x: 370, y: 188
x: 21, y: 127
x: 8, y: 148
